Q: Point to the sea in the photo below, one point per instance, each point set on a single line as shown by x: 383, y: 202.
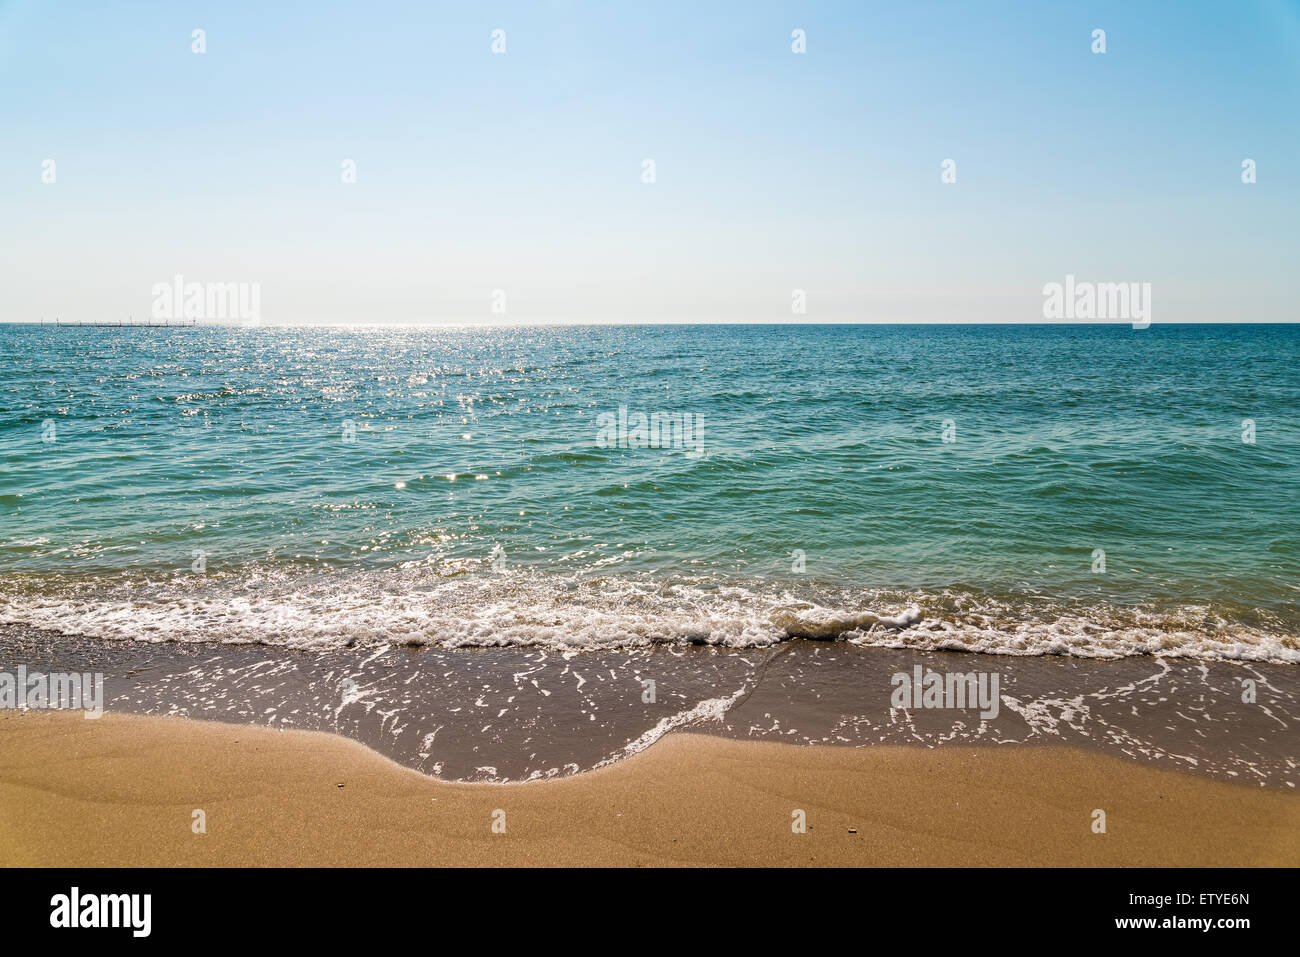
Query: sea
x: 380, y: 524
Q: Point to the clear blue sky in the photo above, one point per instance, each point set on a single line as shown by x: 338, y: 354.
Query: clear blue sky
x: 775, y: 171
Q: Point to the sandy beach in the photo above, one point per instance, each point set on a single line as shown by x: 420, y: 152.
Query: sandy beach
x: 122, y: 790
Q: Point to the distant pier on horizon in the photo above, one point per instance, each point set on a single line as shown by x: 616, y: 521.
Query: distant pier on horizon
x: 125, y: 323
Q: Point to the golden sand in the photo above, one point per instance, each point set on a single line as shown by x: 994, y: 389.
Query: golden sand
x: 122, y: 790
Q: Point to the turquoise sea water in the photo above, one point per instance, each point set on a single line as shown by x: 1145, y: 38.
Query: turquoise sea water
x: 320, y: 487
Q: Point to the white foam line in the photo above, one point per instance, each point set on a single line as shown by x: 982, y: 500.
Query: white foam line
x: 712, y: 709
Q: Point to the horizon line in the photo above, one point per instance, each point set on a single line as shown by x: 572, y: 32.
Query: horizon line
x: 237, y: 324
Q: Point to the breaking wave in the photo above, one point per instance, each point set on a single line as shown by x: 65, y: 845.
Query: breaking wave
x: 420, y: 605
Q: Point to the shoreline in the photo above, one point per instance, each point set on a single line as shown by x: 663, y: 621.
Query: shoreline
x: 122, y: 790
x: 518, y: 714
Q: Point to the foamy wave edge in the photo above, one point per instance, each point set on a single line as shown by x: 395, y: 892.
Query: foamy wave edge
x: 569, y: 617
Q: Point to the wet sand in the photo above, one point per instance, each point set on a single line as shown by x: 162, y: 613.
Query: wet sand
x: 512, y: 714
x: 121, y: 790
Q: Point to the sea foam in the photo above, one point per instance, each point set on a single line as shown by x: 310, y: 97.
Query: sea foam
x: 425, y: 607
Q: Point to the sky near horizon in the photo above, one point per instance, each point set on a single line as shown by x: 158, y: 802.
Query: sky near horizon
x: 774, y: 171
